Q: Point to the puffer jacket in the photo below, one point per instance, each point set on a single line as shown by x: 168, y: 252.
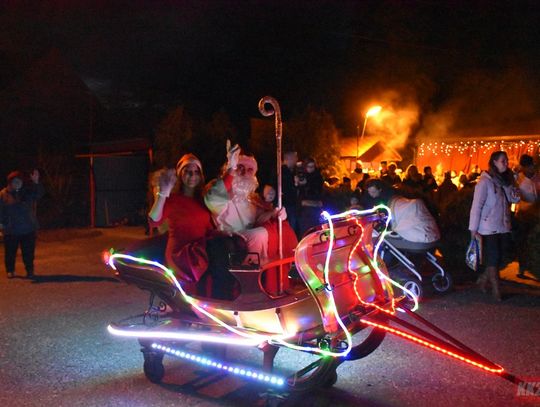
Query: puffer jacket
x: 412, y: 220
x: 490, y: 210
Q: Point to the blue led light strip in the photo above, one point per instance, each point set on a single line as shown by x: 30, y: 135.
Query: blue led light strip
x: 240, y: 371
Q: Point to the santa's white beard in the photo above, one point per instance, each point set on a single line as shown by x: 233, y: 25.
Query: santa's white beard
x: 243, y: 186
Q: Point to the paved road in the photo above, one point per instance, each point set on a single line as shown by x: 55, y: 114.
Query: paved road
x: 54, y: 349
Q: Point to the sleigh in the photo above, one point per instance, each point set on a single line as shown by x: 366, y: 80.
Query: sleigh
x: 346, y: 292
x: 340, y: 313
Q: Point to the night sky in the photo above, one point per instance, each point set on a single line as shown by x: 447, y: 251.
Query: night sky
x: 474, y: 59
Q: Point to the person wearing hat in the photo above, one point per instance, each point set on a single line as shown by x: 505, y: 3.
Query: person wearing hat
x: 178, y: 201
x: 236, y: 207
x: 18, y: 220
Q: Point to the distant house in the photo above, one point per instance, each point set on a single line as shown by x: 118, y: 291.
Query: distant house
x: 371, y: 150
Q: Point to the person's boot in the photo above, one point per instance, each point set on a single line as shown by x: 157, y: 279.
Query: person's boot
x: 482, y: 282
x: 494, y: 280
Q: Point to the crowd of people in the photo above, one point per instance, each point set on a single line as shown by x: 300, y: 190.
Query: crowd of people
x: 207, y: 222
x: 231, y: 213
x: 500, y: 214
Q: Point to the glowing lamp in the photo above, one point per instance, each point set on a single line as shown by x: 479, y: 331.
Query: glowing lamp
x: 373, y: 111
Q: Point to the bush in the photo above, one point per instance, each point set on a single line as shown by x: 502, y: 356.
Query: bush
x: 529, y: 255
x: 455, y: 235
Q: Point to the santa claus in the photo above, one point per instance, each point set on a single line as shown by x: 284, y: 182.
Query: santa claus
x: 236, y: 208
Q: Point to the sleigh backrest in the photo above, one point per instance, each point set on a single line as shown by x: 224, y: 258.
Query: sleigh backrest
x: 351, y: 279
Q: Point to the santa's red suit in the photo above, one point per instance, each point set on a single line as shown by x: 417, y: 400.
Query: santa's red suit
x: 236, y: 208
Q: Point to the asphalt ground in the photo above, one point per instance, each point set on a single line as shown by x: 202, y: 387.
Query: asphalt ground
x: 55, y: 350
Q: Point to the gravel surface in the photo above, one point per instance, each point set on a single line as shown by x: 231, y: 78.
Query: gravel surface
x: 54, y: 348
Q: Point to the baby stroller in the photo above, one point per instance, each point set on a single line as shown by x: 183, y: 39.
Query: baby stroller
x: 415, y: 265
x: 409, y: 251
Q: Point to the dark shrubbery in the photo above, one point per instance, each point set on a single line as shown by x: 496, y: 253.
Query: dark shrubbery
x: 530, y: 253
x: 455, y: 235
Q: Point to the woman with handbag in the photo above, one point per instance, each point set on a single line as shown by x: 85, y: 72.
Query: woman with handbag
x: 490, y: 218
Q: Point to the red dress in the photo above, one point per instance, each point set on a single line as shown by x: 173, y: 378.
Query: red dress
x: 189, y: 225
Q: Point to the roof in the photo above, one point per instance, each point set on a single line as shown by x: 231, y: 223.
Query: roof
x: 117, y: 147
x: 480, y: 136
x: 370, y: 149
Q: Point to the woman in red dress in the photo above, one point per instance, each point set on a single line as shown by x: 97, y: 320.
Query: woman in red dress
x: 193, y: 246
x: 188, y: 219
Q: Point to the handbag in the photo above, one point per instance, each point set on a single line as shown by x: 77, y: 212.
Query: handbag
x: 473, y: 256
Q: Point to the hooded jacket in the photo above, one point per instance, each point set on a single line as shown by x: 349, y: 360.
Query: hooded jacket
x: 490, y: 210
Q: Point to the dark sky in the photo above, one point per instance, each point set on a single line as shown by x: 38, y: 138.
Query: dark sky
x: 333, y: 54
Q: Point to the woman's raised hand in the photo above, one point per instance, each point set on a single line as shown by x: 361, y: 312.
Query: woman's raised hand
x: 167, y: 180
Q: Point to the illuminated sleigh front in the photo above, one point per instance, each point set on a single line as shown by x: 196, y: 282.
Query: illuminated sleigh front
x: 347, y: 294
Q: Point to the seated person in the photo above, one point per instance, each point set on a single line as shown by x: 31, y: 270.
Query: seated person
x: 192, y: 239
x: 237, y: 209
x: 268, y: 197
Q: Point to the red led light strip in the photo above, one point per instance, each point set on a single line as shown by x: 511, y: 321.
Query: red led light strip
x: 355, y: 275
x: 430, y: 345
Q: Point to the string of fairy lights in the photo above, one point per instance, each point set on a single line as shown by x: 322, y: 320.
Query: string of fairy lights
x: 475, y: 147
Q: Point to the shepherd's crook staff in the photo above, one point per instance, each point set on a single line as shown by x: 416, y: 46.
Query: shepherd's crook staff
x: 275, y: 110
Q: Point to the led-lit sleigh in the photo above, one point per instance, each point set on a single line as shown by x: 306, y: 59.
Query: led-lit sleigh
x: 347, y: 295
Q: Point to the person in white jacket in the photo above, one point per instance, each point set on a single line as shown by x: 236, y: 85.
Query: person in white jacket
x: 490, y: 218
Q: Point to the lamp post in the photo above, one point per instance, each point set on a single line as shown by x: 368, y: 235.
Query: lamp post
x: 372, y: 111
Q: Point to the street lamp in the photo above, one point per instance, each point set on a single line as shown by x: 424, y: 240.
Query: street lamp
x: 372, y: 111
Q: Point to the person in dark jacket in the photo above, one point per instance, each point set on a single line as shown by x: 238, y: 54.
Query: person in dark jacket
x: 311, y: 191
x: 428, y: 181
x: 391, y: 178
x: 18, y: 220
x: 288, y: 188
x: 377, y: 192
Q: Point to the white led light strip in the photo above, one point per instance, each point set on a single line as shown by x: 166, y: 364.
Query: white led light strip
x: 241, y: 371
x: 253, y: 339
x: 185, y: 336
x: 259, y: 339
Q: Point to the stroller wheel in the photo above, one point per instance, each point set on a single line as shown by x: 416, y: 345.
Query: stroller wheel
x: 415, y: 286
x: 442, y: 283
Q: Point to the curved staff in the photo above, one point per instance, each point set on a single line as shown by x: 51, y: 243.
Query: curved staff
x: 275, y: 110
